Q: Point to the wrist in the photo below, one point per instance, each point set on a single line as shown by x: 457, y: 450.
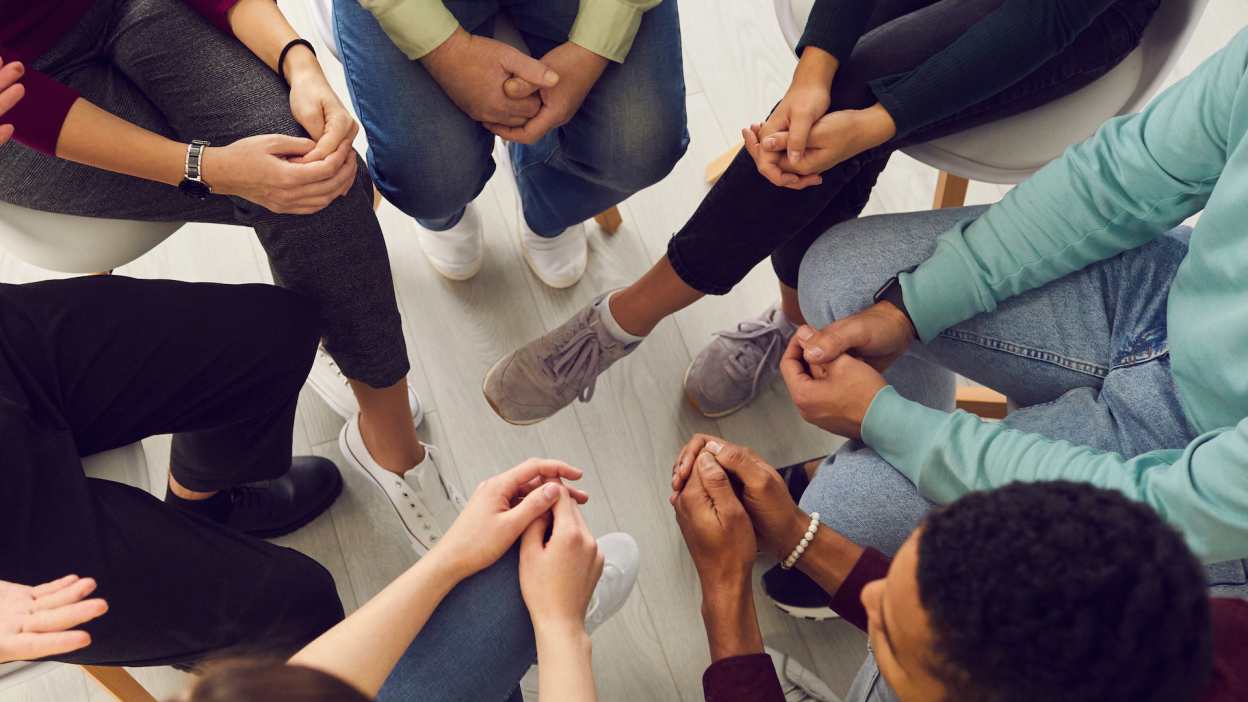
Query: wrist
x: 891, y: 311
x: 875, y: 126
x: 300, y: 64
x: 553, y: 630
x: 816, y: 65
x: 446, y: 49
x: 731, y: 622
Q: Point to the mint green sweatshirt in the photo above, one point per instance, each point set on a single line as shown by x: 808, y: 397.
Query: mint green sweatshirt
x: 1140, y: 176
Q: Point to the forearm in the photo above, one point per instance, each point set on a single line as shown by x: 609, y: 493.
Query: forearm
x: 93, y: 137
x: 816, y: 66
x: 828, y: 559
x: 731, y: 621
x: 566, y: 673
x: 262, y: 27
x: 363, y: 648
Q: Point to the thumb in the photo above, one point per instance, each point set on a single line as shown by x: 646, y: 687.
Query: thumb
x: 530, y: 69
x: 534, y: 505
x: 776, y: 142
x: 799, y: 128
x: 289, y: 146
x: 714, y: 479
x: 518, y: 88
x: 534, y: 535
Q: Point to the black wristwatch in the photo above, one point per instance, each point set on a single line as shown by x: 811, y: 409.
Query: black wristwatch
x: 891, y: 292
x: 192, y: 186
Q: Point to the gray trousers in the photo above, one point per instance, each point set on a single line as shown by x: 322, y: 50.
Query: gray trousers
x: 161, y: 65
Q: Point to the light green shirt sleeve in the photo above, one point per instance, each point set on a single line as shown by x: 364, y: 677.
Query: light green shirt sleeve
x: 1140, y: 176
x: 415, y: 26
x: 605, y: 27
x: 1200, y: 490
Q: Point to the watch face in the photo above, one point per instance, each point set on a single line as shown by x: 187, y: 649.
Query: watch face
x: 194, y: 189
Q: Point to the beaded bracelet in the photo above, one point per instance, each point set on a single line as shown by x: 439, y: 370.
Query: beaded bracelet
x: 801, y: 547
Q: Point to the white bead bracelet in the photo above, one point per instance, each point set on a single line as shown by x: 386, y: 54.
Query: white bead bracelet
x: 801, y: 546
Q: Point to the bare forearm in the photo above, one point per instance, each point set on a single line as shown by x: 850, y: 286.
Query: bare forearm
x: 97, y: 138
x: 566, y: 673
x: 731, y: 622
x: 363, y: 648
x: 262, y: 27
x: 828, y: 559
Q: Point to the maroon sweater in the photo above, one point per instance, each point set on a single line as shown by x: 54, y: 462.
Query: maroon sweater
x: 27, y: 30
x: 753, y: 678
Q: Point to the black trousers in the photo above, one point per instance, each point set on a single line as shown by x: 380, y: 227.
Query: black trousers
x: 744, y: 218
x: 91, y: 364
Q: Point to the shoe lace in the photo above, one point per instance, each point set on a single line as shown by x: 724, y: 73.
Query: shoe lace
x: 580, y: 353
x: 761, y: 338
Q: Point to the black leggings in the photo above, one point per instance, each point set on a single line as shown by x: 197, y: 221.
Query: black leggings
x: 91, y: 364
x: 744, y: 218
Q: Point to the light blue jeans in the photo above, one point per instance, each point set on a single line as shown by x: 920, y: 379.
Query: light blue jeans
x: 430, y: 159
x: 476, y: 645
x: 1085, y: 357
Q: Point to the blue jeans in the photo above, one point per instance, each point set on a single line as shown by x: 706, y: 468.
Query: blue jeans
x: 430, y: 159
x: 1084, y: 356
x: 476, y: 645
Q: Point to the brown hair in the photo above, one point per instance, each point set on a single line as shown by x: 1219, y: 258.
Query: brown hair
x: 268, y: 681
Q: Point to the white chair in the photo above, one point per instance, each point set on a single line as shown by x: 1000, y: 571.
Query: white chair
x: 72, y: 244
x: 124, y: 465
x: 322, y: 12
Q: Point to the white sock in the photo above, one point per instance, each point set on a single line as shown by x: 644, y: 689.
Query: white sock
x: 608, y: 321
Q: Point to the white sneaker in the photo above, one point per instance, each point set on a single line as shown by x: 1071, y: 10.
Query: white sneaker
x: 559, y: 261
x: 797, y: 683
x: 619, y: 574
x: 426, y: 503
x: 329, y: 382
x: 457, y: 253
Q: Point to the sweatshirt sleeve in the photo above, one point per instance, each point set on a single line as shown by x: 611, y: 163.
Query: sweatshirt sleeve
x: 995, y: 53
x: 847, y: 602
x: 215, y: 11
x: 1200, y: 489
x: 1140, y: 176
x: 836, y: 26
x: 749, y: 678
x: 37, y: 118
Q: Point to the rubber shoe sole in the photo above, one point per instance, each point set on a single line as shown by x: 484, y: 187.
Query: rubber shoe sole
x: 524, y: 423
x: 685, y: 385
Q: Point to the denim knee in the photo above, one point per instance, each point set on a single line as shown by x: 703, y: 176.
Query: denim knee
x: 652, y: 138
x: 430, y: 191
x: 828, y: 285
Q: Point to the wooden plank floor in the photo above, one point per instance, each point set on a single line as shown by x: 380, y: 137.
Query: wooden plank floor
x: 736, y: 68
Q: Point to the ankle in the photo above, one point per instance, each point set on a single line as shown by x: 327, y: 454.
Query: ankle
x: 179, y: 491
x: 399, y: 456
x: 629, y: 315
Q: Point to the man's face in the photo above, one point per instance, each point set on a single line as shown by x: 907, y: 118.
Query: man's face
x: 898, y: 628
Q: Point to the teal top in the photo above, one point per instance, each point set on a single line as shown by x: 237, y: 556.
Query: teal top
x: 1140, y: 176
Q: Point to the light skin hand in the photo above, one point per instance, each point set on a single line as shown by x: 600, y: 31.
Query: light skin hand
x: 877, y: 335
x: 834, y: 395
x: 472, y: 71
x: 578, y: 69
x: 835, y: 137
x: 10, y: 92
x: 316, y: 106
x: 501, y: 508
x: 806, y: 100
x: 261, y: 169
x: 38, y: 621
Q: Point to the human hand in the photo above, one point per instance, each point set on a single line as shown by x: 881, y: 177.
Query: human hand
x: 499, y: 511
x: 264, y: 170
x: 806, y: 100
x: 316, y: 106
x: 716, y: 527
x: 558, y: 576
x: 472, y: 71
x: 877, y: 335
x: 578, y: 69
x: 835, y: 137
x: 833, y: 395
x: 10, y: 92
x: 778, y: 522
x: 35, y: 621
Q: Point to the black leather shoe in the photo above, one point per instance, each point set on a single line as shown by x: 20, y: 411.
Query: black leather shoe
x: 272, y: 508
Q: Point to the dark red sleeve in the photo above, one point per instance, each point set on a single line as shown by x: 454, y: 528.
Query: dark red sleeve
x: 37, y: 117
x: 215, y: 10
x: 750, y: 678
x: 847, y: 601
x: 1229, y: 680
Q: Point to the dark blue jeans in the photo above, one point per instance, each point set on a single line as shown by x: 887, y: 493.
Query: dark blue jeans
x: 745, y: 219
x: 430, y: 159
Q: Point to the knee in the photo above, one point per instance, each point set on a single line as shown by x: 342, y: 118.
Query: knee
x: 429, y: 193
x: 649, y: 148
x: 832, y: 282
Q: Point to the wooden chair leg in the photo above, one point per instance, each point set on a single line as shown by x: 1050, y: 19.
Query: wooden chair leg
x: 950, y: 191
x: 610, y: 220
x: 117, y: 683
x: 376, y: 198
x: 985, y: 402
x: 716, y: 168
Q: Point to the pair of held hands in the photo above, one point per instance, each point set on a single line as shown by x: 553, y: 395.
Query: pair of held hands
x: 514, y: 96
x: 559, y: 563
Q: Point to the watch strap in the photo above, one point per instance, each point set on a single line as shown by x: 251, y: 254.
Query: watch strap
x: 194, y: 156
x: 892, y: 293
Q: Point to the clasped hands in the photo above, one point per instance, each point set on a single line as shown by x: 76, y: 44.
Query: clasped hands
x: 517, y: 97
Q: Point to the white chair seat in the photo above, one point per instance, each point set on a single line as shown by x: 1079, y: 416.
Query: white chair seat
x: 72, y: 244
x: 124, y: 465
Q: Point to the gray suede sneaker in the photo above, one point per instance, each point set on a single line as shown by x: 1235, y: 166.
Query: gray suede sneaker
x: 546, y: 375
x: 728, y: 373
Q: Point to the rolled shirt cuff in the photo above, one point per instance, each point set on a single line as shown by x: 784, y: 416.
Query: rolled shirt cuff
x: 416, y: 26
x: 606, y: 27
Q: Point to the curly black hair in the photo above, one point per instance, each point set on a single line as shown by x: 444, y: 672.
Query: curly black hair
x: 1062, y: 592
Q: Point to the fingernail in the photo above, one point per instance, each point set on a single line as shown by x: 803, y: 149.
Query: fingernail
x: 552, y: 77
x: 551, y: 491
x: 816, y: 352
x: 794, y: 155
x: 705, y: 461
x: 805, y: 333
x: 714, y: 447
x: 771, y: 142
